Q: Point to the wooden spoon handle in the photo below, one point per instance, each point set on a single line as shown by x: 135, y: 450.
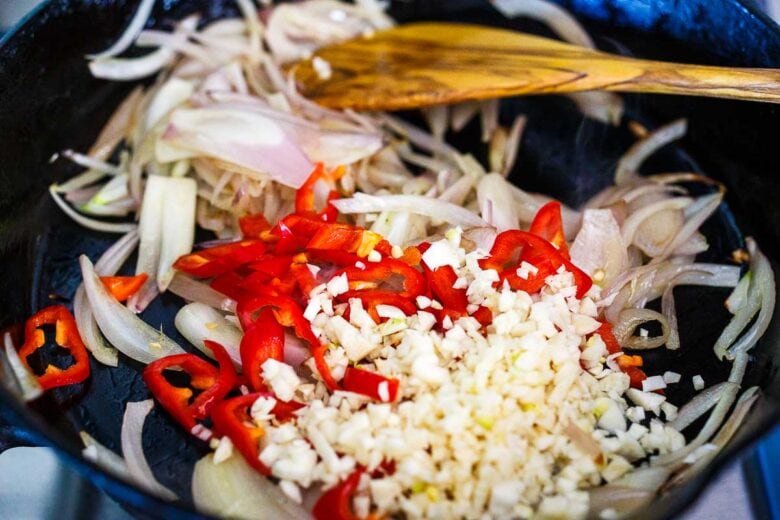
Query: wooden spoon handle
x: 433, y: 63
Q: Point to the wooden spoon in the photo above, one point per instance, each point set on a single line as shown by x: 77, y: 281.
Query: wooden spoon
x: 425, y: 64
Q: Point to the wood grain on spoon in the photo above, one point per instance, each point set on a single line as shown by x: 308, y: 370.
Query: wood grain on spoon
x: 425, y: 64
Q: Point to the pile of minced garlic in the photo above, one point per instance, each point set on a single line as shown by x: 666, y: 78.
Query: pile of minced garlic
x: 484, y: 423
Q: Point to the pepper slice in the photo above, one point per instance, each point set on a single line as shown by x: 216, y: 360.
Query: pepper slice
x: 369, y: 383
x: 371, y: 299
x: 288, y: 314
x: 548, y: 224
x: 262, y: 341
x: 253, y: 226
x: 123, y: 287
x: 343, y: 237
x: 66, y: 336
x: 336, y: 503
x: 315, y: 194
x: 512, y: 247
x: 214, y: 261
x: 232, y: 417
x: 376, y: 273
x: 214, y: 384
x: 605, y: 331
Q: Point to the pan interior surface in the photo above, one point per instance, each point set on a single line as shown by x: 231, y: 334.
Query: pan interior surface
x: 48, y: 102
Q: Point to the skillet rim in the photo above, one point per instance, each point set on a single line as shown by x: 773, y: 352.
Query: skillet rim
x: 37, y: 432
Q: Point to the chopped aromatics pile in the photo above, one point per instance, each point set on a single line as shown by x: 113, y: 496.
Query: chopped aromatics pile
x: 383, y: 327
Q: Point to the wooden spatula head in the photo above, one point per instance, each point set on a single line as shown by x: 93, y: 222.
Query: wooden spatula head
x: 425, y: 64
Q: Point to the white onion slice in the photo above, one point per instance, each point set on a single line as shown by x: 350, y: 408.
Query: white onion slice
x: 629, y: 164
x: 103, y: 457
x: 232, y: 489
x: 131, y: 69
x: 87, y: 222
x: 91, y: 163
x: 494, y: 188
x: 764, y: 281
x: 630, y: 319
x: 194, y: 291
x: 126, y: 331
x: 178, y: 225
x: 133, y: 449
x: 632, y: 223
x: 698, y: 406
x: 28, y: 384
x: 417, y: 204
x: 108, y: 265
x: 695, y: 214
x: 150, y: 230
x: 462, y: 113
x: 116, y: 128
x: 598, y: 249
x: 130, y: 33
x: 198, y: 322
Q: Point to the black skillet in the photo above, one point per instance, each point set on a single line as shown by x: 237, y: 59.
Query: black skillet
x: 49, y: 102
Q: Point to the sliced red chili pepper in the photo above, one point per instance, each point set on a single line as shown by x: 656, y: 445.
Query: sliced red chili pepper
x: 272, y: 265
x: 253, y: 226
x: 336, y: 503
x: 317, y: 191
x: 214, y: 384
x: 371, y: 299
x: 343, y: 237
x: 605, y: 331
x: 231, y: 284
x: 123, y: 287
x: 214, y: 261
x: 288, y: 314
x: 441, y: 281
x: 304, y: 278
x: 636, y: 376
x: 512, y: 247
x: 66, y: 336
x: 232, y: 417
x: 625, y: 361
x: 378, y: 273
x: 264, y: 340
x: 548, y: 224
x: 368, y: 383
x: 333, y: 256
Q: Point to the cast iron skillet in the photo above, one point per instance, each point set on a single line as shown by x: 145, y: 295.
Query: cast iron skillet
x: 49, y: 101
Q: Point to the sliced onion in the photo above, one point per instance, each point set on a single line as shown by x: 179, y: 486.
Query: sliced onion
x: 763, y: 282
x: 632, y: 223
x: 739, y: 296
x: 696, y: 214
x: 417, y: 204
x: 724, y: 435
x: 231, y: 489
x: 108, y: 265
x: 629, y: 164
x: 173, y: 41
x: 458, y: 191
x: 28, y: 384
x: 488, y: 111
x: 87, y: 222
x: 606, y: 107
x: 698, y: 406
x: 649, y: 478
x: 436, y: 117
x: 513, y: 144
x: 198, y: 322
x: 171, y: 94
x: 151, y: 231
x: 462, y: 113
x: 630, y: 319
x: 133, y: 449
x: 419, y: 137
x: 116, y: 128
x: 598, y: 249
x: 131, y: 69
x: 482, y: 237
x: 621, y: 499
x: 130, y: 33
x: 241, y: 136
x: 103, y: 457
x: 296, y: 351
x: 494, y: 188
x: 194, y: 291
x: 669, y: 311
x: 253, y: 27
x: 178, y: 225
x: 126, y: 331
x: 91, y: 163
x: 715, y: 419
